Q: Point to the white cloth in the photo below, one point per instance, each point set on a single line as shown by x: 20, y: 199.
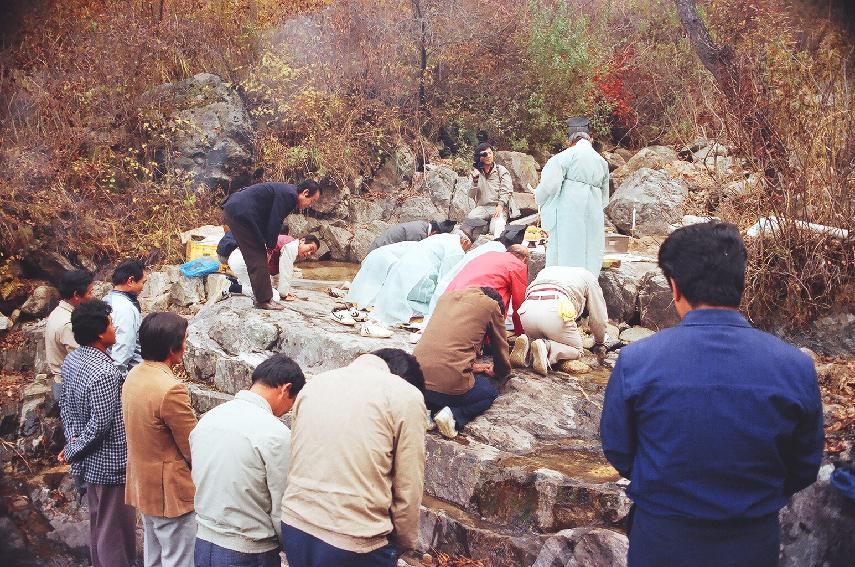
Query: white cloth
x: 240, y: 453
x: 287, y: 257
x: 443, y: 282
x: 126, y: 352
x: 373, y: 272
x: 420, y: 267
x: 168, y: 542
x: 573, y: 191
x: 238, y: 267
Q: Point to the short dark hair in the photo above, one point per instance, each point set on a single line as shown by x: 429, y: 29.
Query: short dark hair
x: 89, y: 320
x: 312, y: 239
x: 279, y: 370
x: 284, y: 229
x: 311, y: 186
x: 492, y: 293
x: 128, y: 269
x: 444, y: 227
x: 161, y: 334
x: 707, y: 260
x: 403, y: 364
x: 74, y: 281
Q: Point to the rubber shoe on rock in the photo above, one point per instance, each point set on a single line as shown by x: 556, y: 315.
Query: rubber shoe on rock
x: 358, y: 316
x: 343, y: 317
x: 430, y: 424
x: 374, y: 331
x: 415, y: 337
x: 444, y: 420
x: 519, y: 355
x: 539, y: 360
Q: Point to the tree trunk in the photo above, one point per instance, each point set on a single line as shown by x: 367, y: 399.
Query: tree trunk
x: 718, y: 60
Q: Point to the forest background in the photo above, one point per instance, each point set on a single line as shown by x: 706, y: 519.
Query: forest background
x: 81, y: 177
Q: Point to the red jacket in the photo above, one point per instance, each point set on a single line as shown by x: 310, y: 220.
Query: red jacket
x: 502, y: 271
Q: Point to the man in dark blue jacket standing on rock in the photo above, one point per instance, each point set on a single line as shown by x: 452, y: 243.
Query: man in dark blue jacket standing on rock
x: 255, y: 215
x: 715, y: 423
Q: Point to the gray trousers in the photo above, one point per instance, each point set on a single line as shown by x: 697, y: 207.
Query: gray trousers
x: 169, y: 542
x: 112, y: 526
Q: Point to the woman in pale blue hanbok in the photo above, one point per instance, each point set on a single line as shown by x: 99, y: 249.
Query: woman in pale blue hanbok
x: 412, y: 280
x: 573, y: 191
x: 373, y: 272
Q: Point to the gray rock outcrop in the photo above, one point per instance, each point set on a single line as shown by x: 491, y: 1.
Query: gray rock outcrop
x: 41, y: 302
x: 522, y: 167
x: 656, y: 199
x: 205, y: 127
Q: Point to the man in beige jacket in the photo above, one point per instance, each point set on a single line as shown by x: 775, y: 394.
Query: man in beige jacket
x: 158, y: 420
x: 75, y: 287
x: 357, y: 464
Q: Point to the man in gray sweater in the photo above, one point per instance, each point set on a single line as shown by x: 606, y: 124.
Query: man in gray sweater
x: 411, y: 231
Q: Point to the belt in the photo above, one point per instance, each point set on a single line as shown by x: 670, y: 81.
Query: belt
x: 560, y: 293
x: 540, y: 297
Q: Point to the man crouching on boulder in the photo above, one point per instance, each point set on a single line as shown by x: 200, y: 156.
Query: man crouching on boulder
x: 254, y: 215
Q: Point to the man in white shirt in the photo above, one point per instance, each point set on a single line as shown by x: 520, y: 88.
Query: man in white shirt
x: 280, y: 262
x: 128, y: 281
x: 240, y: 453
x: 75, y: 287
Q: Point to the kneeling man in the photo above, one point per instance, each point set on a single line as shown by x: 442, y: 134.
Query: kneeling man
x: 458, y: 388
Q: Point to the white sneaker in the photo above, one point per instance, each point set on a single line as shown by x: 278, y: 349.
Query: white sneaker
x: 430, y: 425
x: 374, y: 330
x: 539, y: 359
x: 358, y: 316
x: 414, y: 337
x: 343, y: 317
x: 444, y: 420
x: 519, y: 354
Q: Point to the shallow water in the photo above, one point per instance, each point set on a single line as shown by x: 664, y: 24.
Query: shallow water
x: 331, y: 270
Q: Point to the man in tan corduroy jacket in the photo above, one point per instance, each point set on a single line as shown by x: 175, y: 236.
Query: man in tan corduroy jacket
x: 158, y: 420
x: 356, y: 475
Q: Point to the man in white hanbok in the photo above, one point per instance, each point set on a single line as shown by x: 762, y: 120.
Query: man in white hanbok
x: 411, y: 281
x: 573, y: 191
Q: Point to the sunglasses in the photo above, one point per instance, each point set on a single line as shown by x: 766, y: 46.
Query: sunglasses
x: 484, y: 154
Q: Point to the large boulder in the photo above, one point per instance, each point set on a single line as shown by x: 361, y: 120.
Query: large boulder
x: 201, y: 126
x: 522, y: 167
x: 832, y: 334
x: 420, y: 208
x: 368, y: 208
x: 338, y: 239
x: 656, y: 199
x: 652, y: 157
x: 817, y: 526
x: 656, y: 303
x: 461, y: 203
x: 41, y: 302
x: 439, y: 184
x: 620, y: 289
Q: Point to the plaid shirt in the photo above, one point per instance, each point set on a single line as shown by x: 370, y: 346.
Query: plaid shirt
x: 91, y: 411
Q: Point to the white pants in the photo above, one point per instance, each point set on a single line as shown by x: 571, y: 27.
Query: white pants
x: 497, y: 224
x: 169, y: 542
x: 541, y: 320
x: 238, y: 268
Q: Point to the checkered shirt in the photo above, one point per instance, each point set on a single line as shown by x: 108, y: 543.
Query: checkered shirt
x: 91, y: 410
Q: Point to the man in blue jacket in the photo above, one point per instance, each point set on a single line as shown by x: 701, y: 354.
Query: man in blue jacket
x: 715, y: 423
x: 255, y: 215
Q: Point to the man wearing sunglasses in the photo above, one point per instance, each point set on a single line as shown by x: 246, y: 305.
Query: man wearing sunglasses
x: 491, y: 188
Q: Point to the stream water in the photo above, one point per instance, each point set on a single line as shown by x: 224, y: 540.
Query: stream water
x: 331, y: 270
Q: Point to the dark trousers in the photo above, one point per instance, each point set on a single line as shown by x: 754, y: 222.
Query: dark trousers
x: 209, y: 554
x: 254, y: 252
x: 465, y: 407
x: 112, y: 526
x: 655, y: 541
x: 304, y: 550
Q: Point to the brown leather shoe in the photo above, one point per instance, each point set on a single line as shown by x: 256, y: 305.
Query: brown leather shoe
x: 270, y: 306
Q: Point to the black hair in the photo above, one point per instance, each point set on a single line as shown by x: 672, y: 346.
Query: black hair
x: 74, y: 281
x: 279, y: 370
x: 161, y: 334
x: 446, y: 226
x: 312, y: 239
x: 308, y: 185
x: 492, y: 293
x: 284, y: 229
x: 483, y: 146
x: 89, y: 320
x: 128, y: 269
x: 707, y: 260
x: 403, y: 364
x: 434, y: 226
